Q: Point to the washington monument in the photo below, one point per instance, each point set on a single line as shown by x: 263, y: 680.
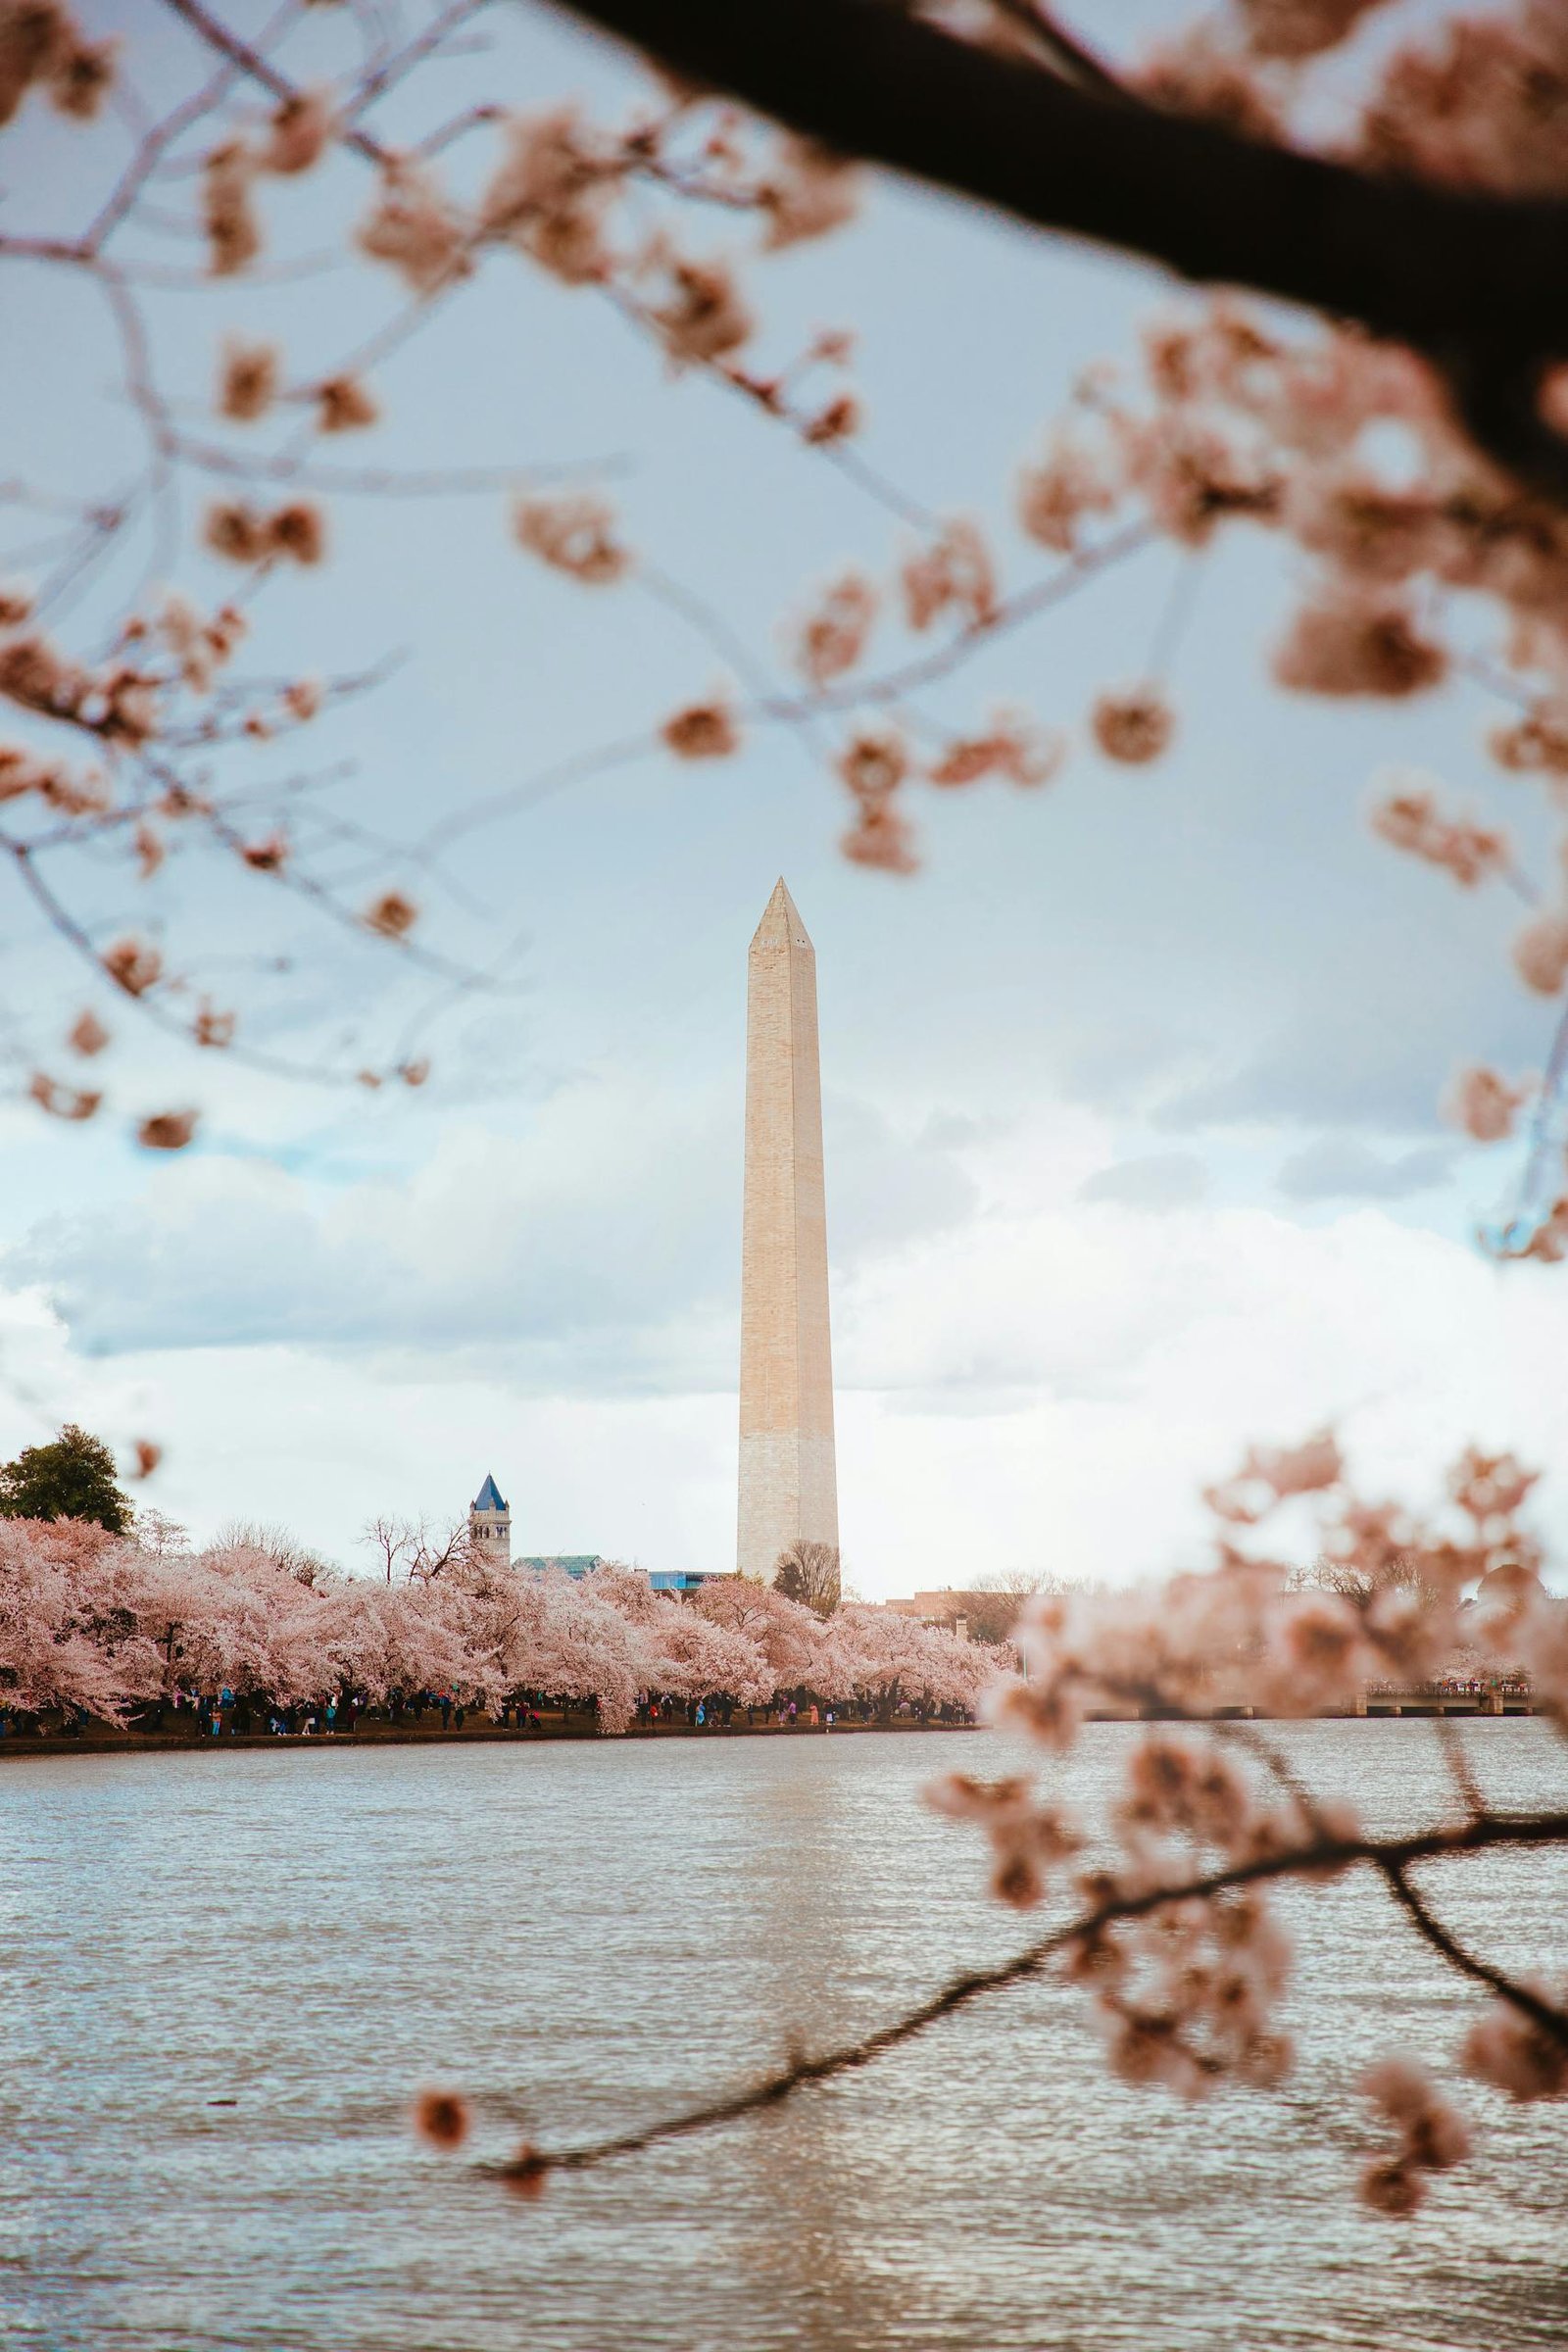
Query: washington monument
x: 789, y: 1480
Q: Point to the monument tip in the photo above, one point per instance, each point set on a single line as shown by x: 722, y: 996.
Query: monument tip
x: 781, y: 925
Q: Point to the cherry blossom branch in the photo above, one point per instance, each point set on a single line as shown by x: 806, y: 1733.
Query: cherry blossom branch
x: 841, y: 455
x: 387, y: 481
x: 1322, y: 1856
x: 252, y: 62
x: 1472, y: 280
x: 149, y: 1007
x: 403, y: 62
x: 1552, y: 2021
x: 1009, y: 614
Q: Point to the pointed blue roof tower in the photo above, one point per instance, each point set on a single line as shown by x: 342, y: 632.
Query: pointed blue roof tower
x: 490, y: 1523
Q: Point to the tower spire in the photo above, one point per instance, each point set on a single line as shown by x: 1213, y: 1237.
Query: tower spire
x: 490, y: 1523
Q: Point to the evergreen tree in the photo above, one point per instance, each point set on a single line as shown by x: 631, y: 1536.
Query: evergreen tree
x: 74, y: 1477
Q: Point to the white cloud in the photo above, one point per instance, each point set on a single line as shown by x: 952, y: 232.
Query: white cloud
x: 1038, y: 1381
x: 1345, y: 1167
x: 1159, y: 1180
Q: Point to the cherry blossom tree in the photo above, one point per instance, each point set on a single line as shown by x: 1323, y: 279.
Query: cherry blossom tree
x: 788, y: 1635
x: 886, y: 1657
x: 69, y: 1619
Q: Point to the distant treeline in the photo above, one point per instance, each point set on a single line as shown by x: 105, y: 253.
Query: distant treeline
x: 108, y: 1623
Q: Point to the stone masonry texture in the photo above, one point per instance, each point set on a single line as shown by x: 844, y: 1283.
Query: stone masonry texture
x: 788, y: 1474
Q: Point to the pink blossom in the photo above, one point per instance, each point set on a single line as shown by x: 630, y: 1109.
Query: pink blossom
x: 87, y: 1035
x: 345, y: 405
x: 832, y: 637
x: 702, y: 731
x: 40, y: 42
x: 1133, y: 726
x: 1513, y: 2053
x: 551, y: 193
x: 1359, y: 644
x: 392, y: 914
x: 808, y: 192
x: 248, y: 381
x: 441, y: 2117
x: 1192, y: 475
x: 134, y: 965
x: 1477, y: 103
x: 703, y: 316
x: 1392, y: 2185
x: 166, y: 1130
x: 1432, y: 2135
x: 1534, y: 744
x: 955, y: 572
x: 873, y: 764
x: 1014, y: 748
x: 1201, y: 73
x: 414, y: 229
x: 1296, y: 28
x: 837, y: 420
x: 1540, y: 954
x: 1484, y: 1104
x: 301, y: 128
x: 1490, y: 1485
x: 574, y: 535
x: 1409, y: 819
x: 62, y: 1101
x: 234, y: 233
x: 1069, y: 482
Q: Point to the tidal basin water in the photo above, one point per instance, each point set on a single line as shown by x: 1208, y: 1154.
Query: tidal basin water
x: 587, y: 1935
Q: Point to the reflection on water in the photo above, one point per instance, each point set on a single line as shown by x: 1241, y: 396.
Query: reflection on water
x: 587, y: 1935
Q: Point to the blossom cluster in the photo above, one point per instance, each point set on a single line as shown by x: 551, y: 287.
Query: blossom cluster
x: 1174, y: 1938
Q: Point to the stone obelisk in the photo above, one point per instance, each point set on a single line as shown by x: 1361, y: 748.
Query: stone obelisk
x: 789, y: 1478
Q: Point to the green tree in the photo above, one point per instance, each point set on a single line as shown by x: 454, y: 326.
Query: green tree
x: 74, y: 1477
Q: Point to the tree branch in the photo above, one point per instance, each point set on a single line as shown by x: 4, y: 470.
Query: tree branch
x: 1474, y: 281
x: 1322, y: 1855
x: 1551, y: 2020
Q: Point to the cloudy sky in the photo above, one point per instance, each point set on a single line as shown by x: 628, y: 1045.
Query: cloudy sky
x: 1132, y: 1147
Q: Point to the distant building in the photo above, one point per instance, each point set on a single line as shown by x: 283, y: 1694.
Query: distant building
x: 575, y: 1563
x: 952, y: 1607
x: 490, y: 1523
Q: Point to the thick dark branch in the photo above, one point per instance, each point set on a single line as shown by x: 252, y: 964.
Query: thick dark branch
x: 1061, y: 49
x: 1478, y: 282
